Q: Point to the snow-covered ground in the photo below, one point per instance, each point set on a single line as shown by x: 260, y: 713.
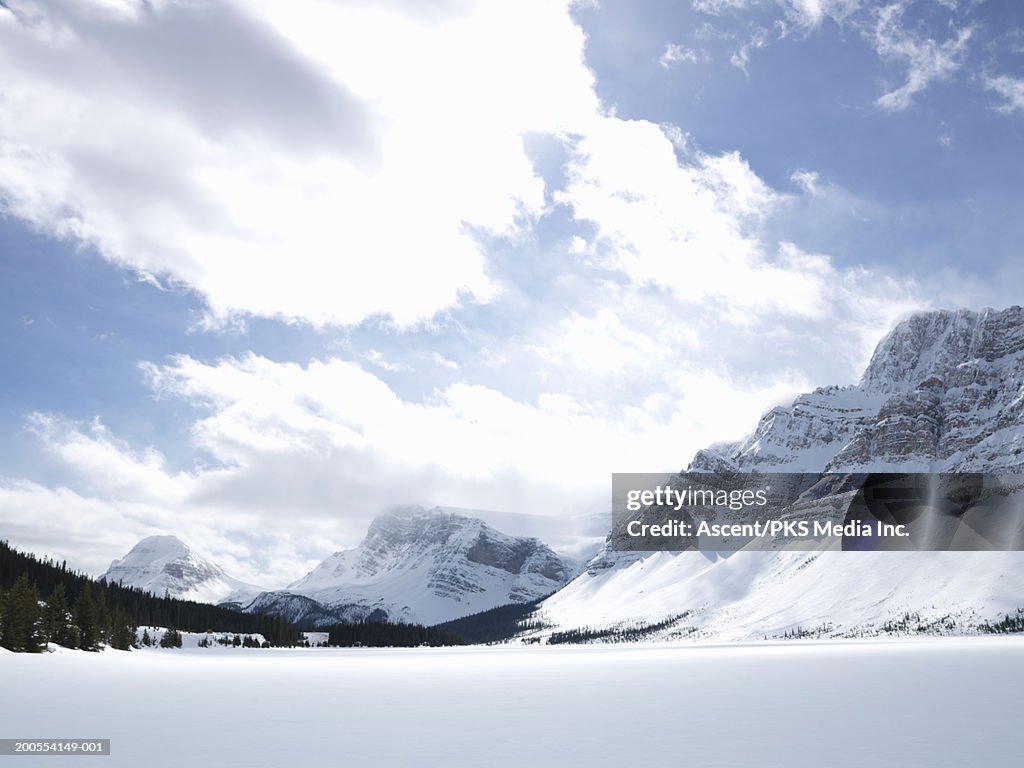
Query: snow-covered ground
x: 192, y: 639
x: 923, y: 702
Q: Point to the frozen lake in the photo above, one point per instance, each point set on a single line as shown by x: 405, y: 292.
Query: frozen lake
x: 929, y: 702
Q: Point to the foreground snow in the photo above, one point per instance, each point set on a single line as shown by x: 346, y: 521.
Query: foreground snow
x: 940, y: 701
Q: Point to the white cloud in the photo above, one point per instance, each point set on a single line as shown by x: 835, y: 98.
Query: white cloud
x: 1010, y: 89
x: 806, y: 180
x: 675, y: 53
x: 89, y: 531
x: 688, y: 235
x: 716, y: 7
x: 926, y: 59
x: 810, y: 14
x: 741, y: 57
x: 678, y: 226
x: 303, y: 456
x: 377, y: 358
x: 443, y: 361
x: 305, y: 171
x: 602, y: 345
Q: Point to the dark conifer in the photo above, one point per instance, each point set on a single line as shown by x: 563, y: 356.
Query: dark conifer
x: 86, y: 620
x: 57, y: 619
x: 22, y: 625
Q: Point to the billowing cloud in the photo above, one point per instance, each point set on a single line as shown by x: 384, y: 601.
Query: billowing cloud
x: 280, y: 159
x: 299, y: 458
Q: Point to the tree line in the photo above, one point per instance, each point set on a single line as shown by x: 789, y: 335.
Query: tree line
x: 27, y: 623
x: 628, y: 634
x: 42, y: 601
x: 383, y: 635
x: 496, y: 625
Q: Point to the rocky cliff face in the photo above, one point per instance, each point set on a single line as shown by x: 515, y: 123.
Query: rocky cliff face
x: 426, y: 566
x: 944, y: 392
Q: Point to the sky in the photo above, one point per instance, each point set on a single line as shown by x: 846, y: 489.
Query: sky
x: 270, y: 267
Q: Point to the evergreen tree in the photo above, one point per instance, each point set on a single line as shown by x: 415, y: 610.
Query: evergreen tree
x: 146, y: 639
x: 86, y: 620
x: 122, y: 631
x: 22, y: 626
x: 171, y: 639
x: 57, y: 624
x: 104, y: 620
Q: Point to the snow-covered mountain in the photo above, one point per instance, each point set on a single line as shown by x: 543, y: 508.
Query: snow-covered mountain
x: 421, y: 565
x: 944, y: 392
x: 161, y: 564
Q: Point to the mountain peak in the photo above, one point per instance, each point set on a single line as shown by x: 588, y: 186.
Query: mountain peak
x: 933, y: 398
x: 165, y: 563
x: 159, y: 545
x: 931, y: 344
x: 430, y: 564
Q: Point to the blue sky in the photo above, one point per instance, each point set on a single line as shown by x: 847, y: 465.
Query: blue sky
x: 268, y: 267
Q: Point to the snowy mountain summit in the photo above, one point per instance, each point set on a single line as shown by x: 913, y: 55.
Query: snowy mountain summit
x: 160, y: 564
x: 944, y: 392
x: 421, y: 565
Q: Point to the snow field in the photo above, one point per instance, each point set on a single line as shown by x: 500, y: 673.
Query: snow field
x: 922, y: 702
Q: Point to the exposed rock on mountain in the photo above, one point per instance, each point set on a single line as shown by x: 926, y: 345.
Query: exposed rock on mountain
x: 421, y: 565
x: 944, y: 391
x: 160, y: 564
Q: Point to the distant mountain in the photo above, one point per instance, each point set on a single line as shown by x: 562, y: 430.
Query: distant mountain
x: 160, y: 564
x: 944, y: 392
x: 424, y: 566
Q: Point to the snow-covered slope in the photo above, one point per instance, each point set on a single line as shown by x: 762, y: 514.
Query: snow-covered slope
x: 160, y: 564
x: 422, y: 565
x: 944, y: 391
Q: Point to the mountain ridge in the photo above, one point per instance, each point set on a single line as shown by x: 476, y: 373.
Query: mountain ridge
x: 424, y: 565
x: 944, y: 391
x: 415, y: 564
x: 921, y: 404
